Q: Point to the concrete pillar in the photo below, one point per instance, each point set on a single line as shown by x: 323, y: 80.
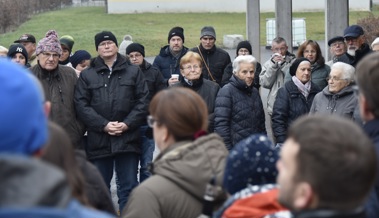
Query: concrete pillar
x: 253, y: 27
x: 336, y: 20
x: 283, y: 20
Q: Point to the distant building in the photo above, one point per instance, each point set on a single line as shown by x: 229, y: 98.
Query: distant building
x: 180, y: 6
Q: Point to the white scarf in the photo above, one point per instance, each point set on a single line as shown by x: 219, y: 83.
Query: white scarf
x: 303, y: 88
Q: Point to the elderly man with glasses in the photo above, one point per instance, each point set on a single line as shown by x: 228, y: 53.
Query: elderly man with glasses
x: 59, y: 83
x: 337, y: 48
x: 356, y: 44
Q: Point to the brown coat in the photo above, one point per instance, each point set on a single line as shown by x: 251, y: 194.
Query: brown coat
x: 177, y: 186
x: 59, y: 87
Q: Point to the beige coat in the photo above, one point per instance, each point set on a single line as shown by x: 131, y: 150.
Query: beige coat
x: 180, y: 175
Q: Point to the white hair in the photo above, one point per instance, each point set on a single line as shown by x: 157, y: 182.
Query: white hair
x: 243, y: 59
x: 348, y: 71
x: 375, y: 42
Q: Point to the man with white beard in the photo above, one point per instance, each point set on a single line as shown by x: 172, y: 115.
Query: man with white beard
x: 357, y: 47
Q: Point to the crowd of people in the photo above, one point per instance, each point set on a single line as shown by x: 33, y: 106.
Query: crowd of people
x: 71, y: 122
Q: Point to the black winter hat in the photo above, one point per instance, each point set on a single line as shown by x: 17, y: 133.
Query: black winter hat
x: 296, y: 64
x: 176, y: 31
x: 135, y: 47
x: 18, y: 48
x: 103, y: 36
x: 335, y: 39
x: 244, y: 44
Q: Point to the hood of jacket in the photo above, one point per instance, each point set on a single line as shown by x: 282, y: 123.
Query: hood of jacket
x: 345, y: 91
x: 240, y: 84
x: 192, y: 164
x: 29, y: 182
x: 165, y: 51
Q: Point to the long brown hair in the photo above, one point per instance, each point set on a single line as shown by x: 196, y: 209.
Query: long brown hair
x: 319, y: 58
x: 60, y: 152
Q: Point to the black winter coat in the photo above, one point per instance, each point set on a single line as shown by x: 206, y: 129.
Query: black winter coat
x: 59, y: 86
x: 353, y: 60
x: 238, y: 112
x: 102, y: 96
x: 289, y: 105
x: 216, y: 59
x: 208, y: 91
x: 228, y: 72
x: 154, y: 79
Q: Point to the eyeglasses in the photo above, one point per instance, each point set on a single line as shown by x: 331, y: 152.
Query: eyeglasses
x: 48, y: 55
x: 106, y: 43
x: 151, y: 121
x: 334, y: 79
x: 353, y: 40
x: 189, y: 67
x: 136, y: 56
x: 335, y: 44
x: 243, y: 51
x: 309, y: 52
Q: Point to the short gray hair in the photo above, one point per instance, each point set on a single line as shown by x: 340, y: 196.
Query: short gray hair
x: 348, y: 71
x: 243, y: 59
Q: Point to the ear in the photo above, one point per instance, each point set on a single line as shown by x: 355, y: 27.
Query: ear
x: 182, y: 72
x: 304, y: 196
x: 364, y: 109
x: 47, y: 108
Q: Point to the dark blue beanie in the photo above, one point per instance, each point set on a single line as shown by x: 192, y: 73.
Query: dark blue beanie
x: 250, y: 162
x: 23, y: 127
x: 79, y: 56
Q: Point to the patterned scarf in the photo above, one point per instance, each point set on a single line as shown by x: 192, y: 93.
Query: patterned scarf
x: 303, y: 88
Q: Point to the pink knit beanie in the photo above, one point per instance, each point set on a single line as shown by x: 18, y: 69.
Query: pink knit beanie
x: 50, y: 43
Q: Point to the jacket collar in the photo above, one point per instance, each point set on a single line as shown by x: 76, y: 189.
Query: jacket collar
x: 241, y: 85
x: 99, y: 65
x: 207, y: 51
x: 325, y: 213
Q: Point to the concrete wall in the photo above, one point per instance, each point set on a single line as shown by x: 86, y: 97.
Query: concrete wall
x: 177, y: 6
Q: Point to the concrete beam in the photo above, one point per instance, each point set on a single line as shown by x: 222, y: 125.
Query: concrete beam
x: 336, y: 20
x: 253, y: 27
x: 283, y: 20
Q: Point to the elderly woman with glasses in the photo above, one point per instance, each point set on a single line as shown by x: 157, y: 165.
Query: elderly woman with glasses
x: 293, y: 99
x: 188, y: 159
x: 310, y: 50
x: 338, y: 97
x: 192, y: 78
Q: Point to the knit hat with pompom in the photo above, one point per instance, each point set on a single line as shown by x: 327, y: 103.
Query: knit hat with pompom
x: 50, y: 43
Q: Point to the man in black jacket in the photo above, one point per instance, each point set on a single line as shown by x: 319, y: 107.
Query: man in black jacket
x: 111, y: 100
x: 357, y: 47
x: 214, y: 59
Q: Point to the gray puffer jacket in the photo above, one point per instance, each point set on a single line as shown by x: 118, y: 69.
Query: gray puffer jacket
x: 342, y: 103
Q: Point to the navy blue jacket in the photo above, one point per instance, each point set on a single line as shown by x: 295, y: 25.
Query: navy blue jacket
x: 238, y: 112
x: 289, y: 105
x: 167, y: 63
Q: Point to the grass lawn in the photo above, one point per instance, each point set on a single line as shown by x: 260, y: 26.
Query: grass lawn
x: 151, y: 29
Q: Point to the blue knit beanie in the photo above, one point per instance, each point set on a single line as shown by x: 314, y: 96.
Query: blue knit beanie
x: 23, y: 128
x: 79, y: 56
x: 250, y: 162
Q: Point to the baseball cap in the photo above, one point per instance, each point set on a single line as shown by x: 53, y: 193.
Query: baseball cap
x: 353, y: 31
x: 26, y: 38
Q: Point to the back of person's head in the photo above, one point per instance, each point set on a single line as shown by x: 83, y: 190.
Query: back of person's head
x: 126, y: 41
x: 23, y: 122
x: 319, y: 58
x: 336, y: 158
x: 367, y: 74
x: 190, y: 56
x: 181, y: 110
x: 59, y: 151
x: 250, y: 162
x: 243, y: 59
